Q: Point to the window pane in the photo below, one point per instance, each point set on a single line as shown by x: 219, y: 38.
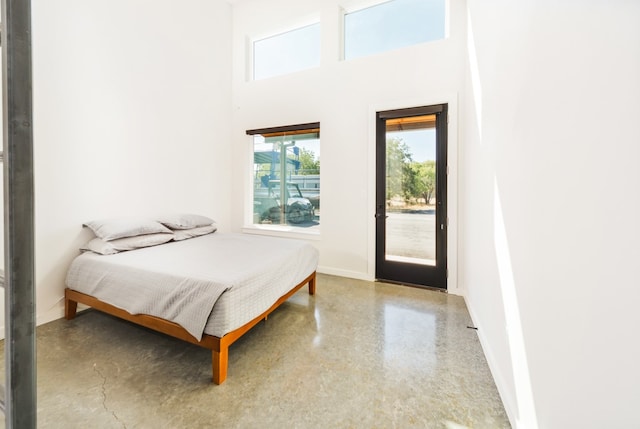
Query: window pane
x: 393, y: 25
x: 411, y: 184
x: 287, y: 192
x: 287, y: 52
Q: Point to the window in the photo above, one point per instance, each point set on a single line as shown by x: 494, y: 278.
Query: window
x: 391, y: 25
x: 287, y: 52
x: 286, y: 176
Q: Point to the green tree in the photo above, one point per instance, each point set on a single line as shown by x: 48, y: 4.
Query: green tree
x: 425, y: 179
x: 399, y: 174
x: 308, y: 162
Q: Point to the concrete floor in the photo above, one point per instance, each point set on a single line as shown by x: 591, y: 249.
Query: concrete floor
x: 357, y: 355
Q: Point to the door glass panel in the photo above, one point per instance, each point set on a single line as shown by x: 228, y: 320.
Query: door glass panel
x: 411, y: 190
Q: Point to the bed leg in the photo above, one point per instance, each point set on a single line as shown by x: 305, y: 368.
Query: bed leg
x: 70, y: 308
x: 220, y: 362
x: 312, y: 285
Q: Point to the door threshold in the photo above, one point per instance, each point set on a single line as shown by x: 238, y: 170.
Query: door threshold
x: 393, y: 282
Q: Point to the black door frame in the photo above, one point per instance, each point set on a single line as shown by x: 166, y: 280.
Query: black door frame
x: 403, y: 272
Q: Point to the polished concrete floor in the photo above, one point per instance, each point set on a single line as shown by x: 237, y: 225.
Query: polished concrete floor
x: 356, y: 355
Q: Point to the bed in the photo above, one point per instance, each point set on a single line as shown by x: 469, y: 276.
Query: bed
x: 207, y: 290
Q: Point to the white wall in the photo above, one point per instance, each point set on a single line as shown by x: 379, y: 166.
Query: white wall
x: 550, y: 208
x: 131, y: 117
x: 343, y: 96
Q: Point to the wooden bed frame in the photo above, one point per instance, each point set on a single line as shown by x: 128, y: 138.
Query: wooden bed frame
x: 218, y: 346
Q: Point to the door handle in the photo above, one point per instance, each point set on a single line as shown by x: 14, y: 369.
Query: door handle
x: 378, y: 215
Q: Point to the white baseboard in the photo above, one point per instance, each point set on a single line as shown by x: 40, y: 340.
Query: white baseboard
x: 507, y: 401
x: 344, y: 273
x: 55, y: 313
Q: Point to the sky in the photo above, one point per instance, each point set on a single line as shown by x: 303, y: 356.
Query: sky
x: 422, y: 143
x: 287, y: 52
x: 312, y: 145
x: 392, y: 25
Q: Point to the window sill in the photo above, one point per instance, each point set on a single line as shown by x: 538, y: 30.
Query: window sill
x: 282, y: 231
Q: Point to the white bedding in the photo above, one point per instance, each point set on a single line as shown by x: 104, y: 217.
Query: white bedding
x: 238, y: 276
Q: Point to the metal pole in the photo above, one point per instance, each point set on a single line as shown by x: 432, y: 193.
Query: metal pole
x: 20, y: 340
x: 284, y: 192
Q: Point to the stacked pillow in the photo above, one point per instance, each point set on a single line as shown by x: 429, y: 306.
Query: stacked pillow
x: 122, y: 234
x: 188, y: 225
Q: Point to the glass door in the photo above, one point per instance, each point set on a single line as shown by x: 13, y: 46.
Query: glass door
x: 411, y: 222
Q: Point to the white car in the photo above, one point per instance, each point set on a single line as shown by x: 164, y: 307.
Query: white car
x: 269, y: 203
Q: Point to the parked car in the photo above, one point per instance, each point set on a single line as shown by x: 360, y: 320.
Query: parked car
x: 268, y: 202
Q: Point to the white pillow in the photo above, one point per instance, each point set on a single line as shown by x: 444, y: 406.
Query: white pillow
x: 111, y: 229
x: 184, y: 220
x: 183, y: 234
x: 112, y: 247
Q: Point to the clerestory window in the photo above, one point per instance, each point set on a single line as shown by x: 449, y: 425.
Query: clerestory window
x: 391, y: 25
x: 288, y: 52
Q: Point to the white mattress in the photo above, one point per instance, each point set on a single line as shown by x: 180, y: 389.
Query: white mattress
x: 211, y: 284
